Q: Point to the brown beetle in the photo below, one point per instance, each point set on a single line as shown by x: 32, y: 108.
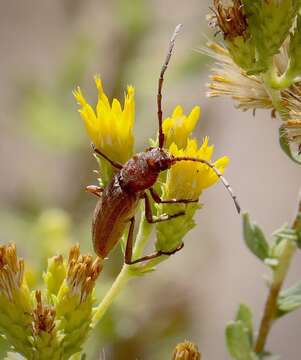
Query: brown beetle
x: 120, y: 198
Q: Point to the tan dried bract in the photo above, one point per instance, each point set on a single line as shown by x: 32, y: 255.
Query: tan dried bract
x: 186, y: 351
x: 43, y: 316
x: 11, y: 270
x: 82, y: 272
x: 232, y: 19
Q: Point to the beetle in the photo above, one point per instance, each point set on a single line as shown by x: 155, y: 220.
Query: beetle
x: 118, y: 201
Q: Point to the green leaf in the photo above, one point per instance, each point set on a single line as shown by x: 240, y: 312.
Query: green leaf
x: 238, y: 342
x: 289, y: 300
x: 285, y: 146
x: 244, y: 315
x: 255, y: 239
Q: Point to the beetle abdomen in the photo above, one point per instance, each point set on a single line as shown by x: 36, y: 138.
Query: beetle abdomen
x: 112, y: 213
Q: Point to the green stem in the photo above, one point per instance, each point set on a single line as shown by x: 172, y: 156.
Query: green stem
x: 281, y: 82
x: 119, y: 283
x: 142, y: 237
x: 274, y: 93
x: 270, y: 310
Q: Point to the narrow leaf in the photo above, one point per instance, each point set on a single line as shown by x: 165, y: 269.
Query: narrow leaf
x: 244, y: 315
x: 238, y: 342
x: 285, y: 146
x: 255, y: 239
x: 289, y: 300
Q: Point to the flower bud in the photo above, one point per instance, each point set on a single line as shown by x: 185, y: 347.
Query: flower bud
x: 186, y: 351
x: 75, y: 299
x: 45, y: 338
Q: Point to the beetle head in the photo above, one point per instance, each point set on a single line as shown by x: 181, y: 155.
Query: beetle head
x: 159, y: 159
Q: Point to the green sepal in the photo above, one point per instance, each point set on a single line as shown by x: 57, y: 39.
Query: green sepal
x: 170, y: 233
x: 15, y: 320
x: 47, y: 346
x: 294, y: 52
x: 74, y: 318
x: 106, y: 171
x: 285, y: 146
x: 242, y: 52
x: 238, y: 342
x: 269, y: 23
x: 55, y: 275
x: 255, y: 239
x: 289, y: 300
x: 244, y: 315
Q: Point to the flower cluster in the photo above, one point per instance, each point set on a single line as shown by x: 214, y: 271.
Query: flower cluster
x: 50, y: 325
x: 258, y: 64
x: 185, y: 180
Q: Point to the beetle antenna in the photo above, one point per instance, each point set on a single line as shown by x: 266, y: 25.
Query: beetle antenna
x: 160, y: 82
x: 218, y: 173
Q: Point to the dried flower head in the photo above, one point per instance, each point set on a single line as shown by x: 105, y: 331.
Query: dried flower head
x: 230, y: 18
x: 11, y: 270
x: 43, y: 316
x: 229, y: 79
x: 186, y: 351
x: 82, y: 273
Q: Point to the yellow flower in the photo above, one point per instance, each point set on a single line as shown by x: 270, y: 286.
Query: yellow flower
x: 186, y: 179
x: 109, y: 127
x: 178, y: 127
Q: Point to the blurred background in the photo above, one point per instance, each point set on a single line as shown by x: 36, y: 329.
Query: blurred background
x: 49, y: 47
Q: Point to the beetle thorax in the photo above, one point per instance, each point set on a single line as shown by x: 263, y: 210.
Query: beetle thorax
x: 142, y: 171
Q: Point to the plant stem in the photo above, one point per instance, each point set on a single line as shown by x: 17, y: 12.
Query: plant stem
x: 125, y: 274
x: 274, y: 94
x: 119, y: 283
x: 142, y: 237
x: 270, y: 310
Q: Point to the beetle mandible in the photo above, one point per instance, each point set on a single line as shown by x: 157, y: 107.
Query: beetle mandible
x: 119, y: 200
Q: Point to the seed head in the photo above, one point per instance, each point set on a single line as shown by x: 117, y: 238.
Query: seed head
x: 230, y: 18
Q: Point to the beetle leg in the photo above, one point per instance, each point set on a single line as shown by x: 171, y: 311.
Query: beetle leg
x: 158, y: 200
x: 155, y: 255
x: 149, y: 214
x: 129, y: 243
x: 115, y: 164
x: 93, y: 189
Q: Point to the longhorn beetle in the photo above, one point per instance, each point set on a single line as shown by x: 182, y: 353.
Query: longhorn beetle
x: 119, y: 200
